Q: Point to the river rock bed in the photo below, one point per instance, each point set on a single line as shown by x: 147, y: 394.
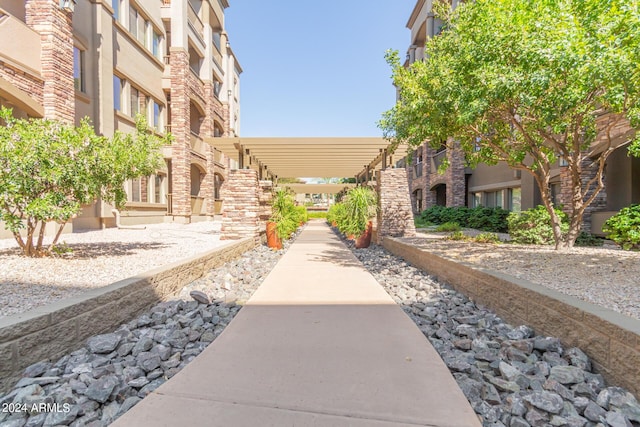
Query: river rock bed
x: 511, y: 377
x: 96, y: 384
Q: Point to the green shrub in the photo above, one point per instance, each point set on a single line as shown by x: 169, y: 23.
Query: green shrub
x: 318, y: 214
x: 533, y: 226
x: 433, y: 214
x: 335, y: 213
x: 624, y: 227
x: 284, y: 213
x: 449, y: 226
x: 457, y: 235
x: 587, y: 239
x: 487, y: 238
x: 480, y: 218
x: 488, y: 219
x: 360, y: 206
x: 301, y: 214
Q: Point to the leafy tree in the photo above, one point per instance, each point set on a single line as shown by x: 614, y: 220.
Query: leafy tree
x: 524, y: 82
x: 49, y: 170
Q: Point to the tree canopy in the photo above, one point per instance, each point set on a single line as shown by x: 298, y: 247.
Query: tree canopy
x: 50, y: 169
x: 525, y: 82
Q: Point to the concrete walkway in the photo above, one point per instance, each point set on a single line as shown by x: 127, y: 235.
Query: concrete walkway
x: 320, y: 343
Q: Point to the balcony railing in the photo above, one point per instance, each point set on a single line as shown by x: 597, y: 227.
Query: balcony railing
x: 438, y: 159
x: 195, y: 22
x: 197, y: 144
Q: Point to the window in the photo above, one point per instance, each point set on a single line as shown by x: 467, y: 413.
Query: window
x: 555, y: 189
x: 135, y: 102
x: 493, y: 199
x: 514, y: 199
x: 476, y: 200
x: 135, y: 195
x: 117, y: 93
x: 158, y: 188
x: 116, y: 9
x: 156, y: 45
x: 133, y: 21
x: 78, y: 69
x: 157, y: 116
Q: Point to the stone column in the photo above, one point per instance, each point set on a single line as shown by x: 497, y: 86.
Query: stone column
x: 589, y: 171
x: 241, y: 206
x: 265, y: 196
x: 395, y: 216
x: 55, y: 28
x: 456, y: 185
x: 180, y: 129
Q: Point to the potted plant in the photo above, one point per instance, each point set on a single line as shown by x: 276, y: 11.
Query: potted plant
x: 284, y: 218
x: 360, y: 207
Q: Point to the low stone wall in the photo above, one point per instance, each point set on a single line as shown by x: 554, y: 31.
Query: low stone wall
x: 50, y: 332
x: 610, y: 339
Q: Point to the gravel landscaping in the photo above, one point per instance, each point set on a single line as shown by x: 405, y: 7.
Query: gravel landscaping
x: 511, y: 377
x: 96, y: 259
x: 606, y: 276
x: 113, y: 372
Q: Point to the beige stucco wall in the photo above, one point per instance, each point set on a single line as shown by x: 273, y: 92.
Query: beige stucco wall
x: 23, y: 50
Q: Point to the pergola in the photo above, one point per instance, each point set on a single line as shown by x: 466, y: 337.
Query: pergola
x: 310, y: 157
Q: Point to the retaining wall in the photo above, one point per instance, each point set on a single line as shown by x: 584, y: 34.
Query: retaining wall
x: 54, y: 330
x: 610, y: 339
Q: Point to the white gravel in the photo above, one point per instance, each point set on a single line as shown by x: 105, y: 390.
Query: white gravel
x: 606, y: 276
x: 98, y: 258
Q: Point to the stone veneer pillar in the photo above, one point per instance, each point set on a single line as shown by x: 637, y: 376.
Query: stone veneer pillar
x: 265, y: 196
x: 55, y: 28
x: 589, y: 171
x: 395, y: 216
x: 180, y: 129
x: 241, y: 206
x: 456, y: 185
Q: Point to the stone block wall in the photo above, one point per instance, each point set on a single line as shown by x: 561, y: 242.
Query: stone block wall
x: 610, y: 339
x: 180, y: 129
x: 52, y: 331
x: 241, y: 205
x: 395, y: 215
x: 55, y: 28
x: 265, y: 197
x: 456, y: 185
x: 23, y: 81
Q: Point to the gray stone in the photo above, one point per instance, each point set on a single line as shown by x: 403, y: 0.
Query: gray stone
x: 23, y: 382
x: 37, y: 369
x: 537, y: 418
x: 200, y: 296
x: 594, y: 412
x: 546, y: 401
x: 577, y: 357
x: 580, y: 404
x: 101, y: 344
x: 138, y: 382
x: 150, y: 387
x: 162, y: 350
x: 470, y: 388
x: 617, y: 419
x: 110, y: 412
x: 490, y: 394
x: 101, y: 389
x: 519, y: 422
x: 129, y: 403
x: 61, y: 417
x: 503, y: 385
x: 143, y: 344
x: 567, y: 374
x: 547, y: 344
x: 148, y: 361
x: 508, y: 372
x: 36, y: 420
x: 15, y: 422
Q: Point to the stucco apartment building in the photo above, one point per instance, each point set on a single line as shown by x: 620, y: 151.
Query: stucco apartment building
x: 500, y: 185
x: 110, y: 60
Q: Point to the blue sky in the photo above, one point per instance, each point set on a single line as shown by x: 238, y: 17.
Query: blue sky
x: 315, y: 68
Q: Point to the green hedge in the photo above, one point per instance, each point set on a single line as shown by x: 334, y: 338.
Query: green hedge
x: 533, y: 226
x: 480, y: 218
x: 624, y: 227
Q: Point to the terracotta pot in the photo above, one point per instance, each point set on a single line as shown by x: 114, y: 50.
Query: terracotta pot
x: 273, y: 241
x: 365, y: 240
x: 334, y: 224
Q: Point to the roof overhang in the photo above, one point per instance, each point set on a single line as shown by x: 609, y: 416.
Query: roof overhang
x: 293, y: 157
x: 316, y: 188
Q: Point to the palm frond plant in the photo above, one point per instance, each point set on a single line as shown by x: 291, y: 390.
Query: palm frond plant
x: 360, y: 207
